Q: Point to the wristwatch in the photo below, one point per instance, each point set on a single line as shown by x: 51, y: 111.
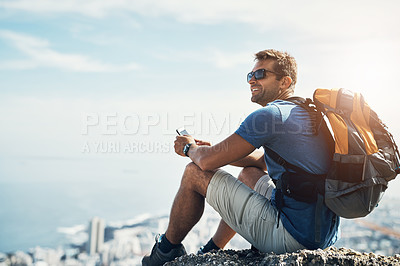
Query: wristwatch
x: 186, y: 149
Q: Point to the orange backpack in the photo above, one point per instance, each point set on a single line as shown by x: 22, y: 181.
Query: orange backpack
x: 366, y: 157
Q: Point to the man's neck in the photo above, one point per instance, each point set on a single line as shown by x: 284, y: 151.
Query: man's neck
x: 285, y: 95
x: 282, y: 96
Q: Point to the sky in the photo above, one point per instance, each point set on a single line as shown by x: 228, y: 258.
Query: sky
x: 114, y: 79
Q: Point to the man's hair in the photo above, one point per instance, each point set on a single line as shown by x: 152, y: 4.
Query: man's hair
x: 285, y: 64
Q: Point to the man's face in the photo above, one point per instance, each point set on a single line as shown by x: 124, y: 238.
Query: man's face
x: 264, y: 90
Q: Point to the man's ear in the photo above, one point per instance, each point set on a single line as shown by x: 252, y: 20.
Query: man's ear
x: 286, y: 81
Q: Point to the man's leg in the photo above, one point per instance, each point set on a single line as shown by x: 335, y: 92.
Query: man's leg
x: 188, y: 205
x: 249, y: 176
x: 249, y: 213
x: 186, y: 211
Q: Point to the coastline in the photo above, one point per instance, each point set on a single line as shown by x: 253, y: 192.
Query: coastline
x: 126, y: 242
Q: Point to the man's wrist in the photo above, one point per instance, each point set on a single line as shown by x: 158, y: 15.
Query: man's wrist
x: 186, y: 149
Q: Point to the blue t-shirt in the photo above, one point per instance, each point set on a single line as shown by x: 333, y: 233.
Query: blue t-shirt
x: 287, y: 129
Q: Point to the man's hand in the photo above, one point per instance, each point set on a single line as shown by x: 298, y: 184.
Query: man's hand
x: 180, y: 142
x: 202, y: 142
x: 209, y: 157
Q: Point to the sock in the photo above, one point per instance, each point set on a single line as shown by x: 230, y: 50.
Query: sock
x: 165, y: 245
x: 210, y: 246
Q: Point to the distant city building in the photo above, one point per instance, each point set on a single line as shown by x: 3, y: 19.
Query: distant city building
x: 96, y: 236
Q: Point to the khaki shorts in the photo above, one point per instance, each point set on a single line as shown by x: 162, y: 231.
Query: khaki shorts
x: 249, y: 213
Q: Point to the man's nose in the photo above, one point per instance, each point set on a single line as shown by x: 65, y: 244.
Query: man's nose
x: 252, y: 80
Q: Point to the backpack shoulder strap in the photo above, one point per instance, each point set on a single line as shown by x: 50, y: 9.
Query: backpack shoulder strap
x: 315, y: 113
x: 282, y: 162
x: 283, y: 187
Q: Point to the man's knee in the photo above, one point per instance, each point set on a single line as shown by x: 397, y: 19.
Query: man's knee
x: 196, y: 179
x: 191, y: 171
x: 192, y: 168
x: 250, y: 175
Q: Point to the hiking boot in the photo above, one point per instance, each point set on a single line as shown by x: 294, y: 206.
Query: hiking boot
x: 157, y: 257
x: 203, y: 251
x: 209, y: 247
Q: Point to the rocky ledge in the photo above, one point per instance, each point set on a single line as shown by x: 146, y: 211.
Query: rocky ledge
x: 330, y: 256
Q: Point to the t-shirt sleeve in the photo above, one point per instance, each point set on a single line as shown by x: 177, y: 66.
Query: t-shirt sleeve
x: 259, y: 127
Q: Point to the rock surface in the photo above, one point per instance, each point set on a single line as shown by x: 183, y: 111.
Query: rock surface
x: 330, y: 256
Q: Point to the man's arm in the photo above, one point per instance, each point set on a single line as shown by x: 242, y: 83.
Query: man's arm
x: 232, y: 149
x: 256, y: 159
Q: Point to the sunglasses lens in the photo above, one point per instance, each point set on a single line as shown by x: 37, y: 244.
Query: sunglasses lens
x: 259, y: 74
x: 249, y: 76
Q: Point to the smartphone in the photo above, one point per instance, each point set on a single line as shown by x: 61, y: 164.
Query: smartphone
x: 182, y: 131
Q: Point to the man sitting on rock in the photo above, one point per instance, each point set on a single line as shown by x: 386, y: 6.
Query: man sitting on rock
x: 248, y: 204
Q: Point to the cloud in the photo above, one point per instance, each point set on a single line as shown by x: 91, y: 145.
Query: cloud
x: 330, y: 19
x: 40, y: 54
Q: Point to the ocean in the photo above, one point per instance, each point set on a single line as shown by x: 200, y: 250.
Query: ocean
x: 41, y: 195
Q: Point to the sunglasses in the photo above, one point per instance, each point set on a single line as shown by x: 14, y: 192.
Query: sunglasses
x: 260, y: 74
